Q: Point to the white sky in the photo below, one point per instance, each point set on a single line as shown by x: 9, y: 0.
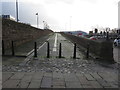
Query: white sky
x: 62, y: 15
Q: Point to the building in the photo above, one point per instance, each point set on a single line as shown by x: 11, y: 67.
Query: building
x: 90, y: 32
x: 8, y: 17
x: 77, y: 33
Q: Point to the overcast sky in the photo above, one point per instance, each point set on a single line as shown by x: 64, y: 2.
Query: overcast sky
x: 67, y: 15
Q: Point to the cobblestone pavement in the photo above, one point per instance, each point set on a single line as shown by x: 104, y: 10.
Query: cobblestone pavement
x: 61, y: 65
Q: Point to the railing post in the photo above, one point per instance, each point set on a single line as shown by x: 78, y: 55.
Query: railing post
x: 35, y: 49
x: 74, y: 53
x: 13, y: 52
x: 48, y: 50
x: 60, y: 50
x: 87, y: 53
x: 3, y: 49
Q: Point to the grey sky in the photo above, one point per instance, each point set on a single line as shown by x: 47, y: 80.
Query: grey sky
x: 27, y: 11
x: 66, y: 14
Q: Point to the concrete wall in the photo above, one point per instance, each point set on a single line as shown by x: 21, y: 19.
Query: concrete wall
x: 20, y: 33
x: 102, y: 50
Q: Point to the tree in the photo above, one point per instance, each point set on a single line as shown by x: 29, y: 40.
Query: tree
x: 104, y: 33
x: 96, y: 30
x: 101, y: 32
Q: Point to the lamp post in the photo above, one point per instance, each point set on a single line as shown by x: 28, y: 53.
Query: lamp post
x: 44, y: 24
x: 17, y: 10
x: 37, y: 19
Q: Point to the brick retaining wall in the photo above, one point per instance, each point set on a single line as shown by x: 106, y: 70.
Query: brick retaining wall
x: 20, y: 32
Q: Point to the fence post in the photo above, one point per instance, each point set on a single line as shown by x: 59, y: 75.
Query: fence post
x: 3, y: 49
x: 60, y: 50
x: 87, y: 54
x: 48, y: 50
x: 13, y: 52
x: 74, y: 53
x: 35, y: 49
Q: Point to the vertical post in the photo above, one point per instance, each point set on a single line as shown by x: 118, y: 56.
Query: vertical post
x: 74, y: 54
x: 3, y: 49
x: 13, y: 52
x: 48, y: 50
x: 107, y: 37
x: 87, y: 54
x: 37, y: 21
x: 60, y: 51
x: 17, y: 10
x: 35, y: 49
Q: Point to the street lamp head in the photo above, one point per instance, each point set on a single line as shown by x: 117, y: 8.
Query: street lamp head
x: 36, y: 13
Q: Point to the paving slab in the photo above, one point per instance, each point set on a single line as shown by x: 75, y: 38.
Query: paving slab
x: 27, y: 77
x: 46, y: 82
x: 113, y: 85
x: 48, y: 74
x: 38, y: 76
x: 35, y: 84
x: 47, y: 89
x: 57, y: 75
x: 104, y: 83
x: 11, y: 84
x: 89, y: 77
x: 58, y: 81
x: 73, y: 85
x: 70, y: 77
x: 95, y: 76
x: 82, y: 79
x: 58, y: 86
x: 17, y: 75
x: 107, y: 76
x: 6, y: 76
x: 87, y: 86
x: 95, y: 84
x: 23, y: 84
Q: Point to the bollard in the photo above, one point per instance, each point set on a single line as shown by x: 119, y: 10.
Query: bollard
x: 3, y: 49
x: 35, y: 49
x: 48, y: 50
x: 87, y: 53
x: 13, y: 52
x: 107, y: 36
x: 60, y: 50
x: 74, y: 54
